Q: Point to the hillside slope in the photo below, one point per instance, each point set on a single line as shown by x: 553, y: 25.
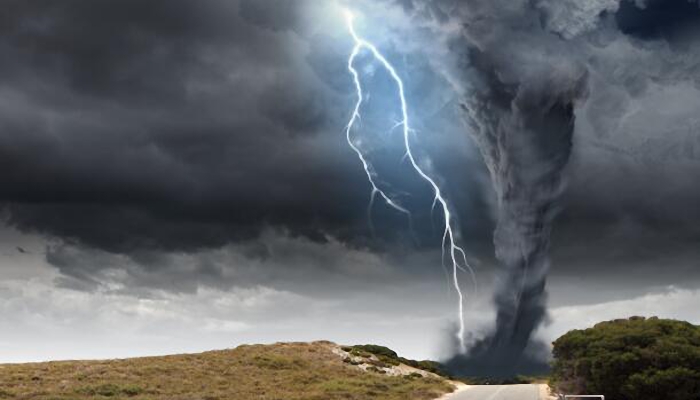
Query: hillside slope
x: 309, y: 371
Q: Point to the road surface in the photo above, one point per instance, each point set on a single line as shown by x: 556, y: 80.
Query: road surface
x: 498, y: 392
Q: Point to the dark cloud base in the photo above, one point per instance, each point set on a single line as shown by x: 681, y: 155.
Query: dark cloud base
x: 176, y: 125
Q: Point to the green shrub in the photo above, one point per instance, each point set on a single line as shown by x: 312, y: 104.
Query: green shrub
x: 388, y: 360
x: 360, y: 353
x: 631, y: 359
x: 389, y: 357
x: 111, y: 390
x: 377, y: 350
x: 425, y: 365
x: 132, y: 390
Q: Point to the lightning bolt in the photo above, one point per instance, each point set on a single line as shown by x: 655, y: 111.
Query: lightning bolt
x: 457, y: 254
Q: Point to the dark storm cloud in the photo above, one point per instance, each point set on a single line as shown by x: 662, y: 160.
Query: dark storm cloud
x: 631, y: 210
x: 169, y: 126
x: 637, y: 137
x: 132, y: 131
x: 166, y: 124
x: 648, y: 19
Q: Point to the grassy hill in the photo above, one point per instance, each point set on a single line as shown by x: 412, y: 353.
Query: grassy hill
x: 309, y: 371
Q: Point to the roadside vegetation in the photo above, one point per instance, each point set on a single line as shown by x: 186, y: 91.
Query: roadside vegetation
x: 309, y: 371
x: 389, y: 357
x: 515, y: 380
x: 630, y: 359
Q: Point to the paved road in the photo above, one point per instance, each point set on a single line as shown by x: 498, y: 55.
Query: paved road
x: 497, y: 392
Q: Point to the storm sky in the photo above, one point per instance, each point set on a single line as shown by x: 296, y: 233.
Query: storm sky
x: 175, y: 175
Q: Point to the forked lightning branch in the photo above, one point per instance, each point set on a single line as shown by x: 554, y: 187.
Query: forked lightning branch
x: 456, y: 253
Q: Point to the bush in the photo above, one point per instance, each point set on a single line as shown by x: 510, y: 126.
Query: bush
x: 426, y: 365
x: 132, y: 390
x: 377, y: 350
x: 360, y: 353
x: 630, y: 359
x: 388, y: 360
x: 111, y: 390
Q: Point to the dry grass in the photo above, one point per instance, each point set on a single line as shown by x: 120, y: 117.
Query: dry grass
x: 278, y: 372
